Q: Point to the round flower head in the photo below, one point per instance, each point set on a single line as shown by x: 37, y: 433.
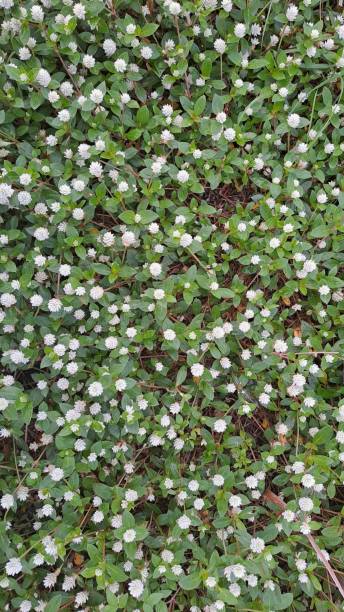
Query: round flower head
x: 240, y: 30
x: 294, y: 120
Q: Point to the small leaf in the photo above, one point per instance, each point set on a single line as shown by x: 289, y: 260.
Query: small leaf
x: 190, y: 582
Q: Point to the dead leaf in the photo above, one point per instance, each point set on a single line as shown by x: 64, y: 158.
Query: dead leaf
x: 265, y: 423
x: 78, y: 559
x: 282, y: 439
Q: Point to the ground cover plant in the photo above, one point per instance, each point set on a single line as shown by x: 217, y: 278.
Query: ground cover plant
x: 171, y: 293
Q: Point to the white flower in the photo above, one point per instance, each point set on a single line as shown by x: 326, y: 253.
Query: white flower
x: 146, y: 53
x: 37, y: 12
x: 108, y: 239
x: 96, y: 169
x: 244, y: 326
x: 280, y: 346
x: 185, y: 240
x: 324, y: 290
x: 120, y: 384
x: 96, y: 96
x: 111, y: 342
x: 79, y: 10
x: 95, y: 389
x: 257, y: 545
x: 159, y: 294
x: 136, y: 588
x: 298, y: 467
x: 174, y: 8
x: 50, y: 580
x: 218, y: 480
x: 7, y: 300
x: 221, y: 117
x: 184, y: 522
x: 63, y: 115
x: 7, y: 501
x: 68, y: 583
x: 183, y: 176
x: 128, y: 239
x: 274, y: 243
x: 292, y: 12
x: 88, y: 61
x: 54, y: 305
x: 252, y: 580
x: 306, y: 504
x: 98, y: 517
x: 120, y: 65
x: 41, y: 234
x: 56, y: 474
x: 81, y: 598
x: 167, y: 110
x: 129, y: 535
x: 197, y: 370
x: 240, y: 30
x: 13, y: 566
x: 235, y: 501
x: 43, y: 77
x: 288, y: 516
x: 294, y: 120
x: 251, y: 482
x: 235, y: 589
x: 155, y: 269
x: 220, y: 426
x: 65, y: 270
x: 308, y: 481
x: 303, y: 578
x: 109, y: 47
x: 97, y: 292
x: 340, y: 437
x: 3, y: 403
x: 169, y: 334
x: 340, y: 32
x: 220, y: 45
x: 123, y: 186
x: 322, y: 198
x: 156, y: 167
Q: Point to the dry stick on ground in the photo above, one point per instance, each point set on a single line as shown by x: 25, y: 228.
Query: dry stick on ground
x: 275, y: 499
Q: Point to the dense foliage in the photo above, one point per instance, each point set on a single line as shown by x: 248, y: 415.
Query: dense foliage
x: 171, y: 291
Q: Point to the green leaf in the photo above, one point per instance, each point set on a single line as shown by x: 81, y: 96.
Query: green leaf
x: 154, y: 598
x: 190, y: 582
x: 274, y: 600
x: 181, y: 376
x: 149, y: 29
x: 324, y: 435
x: 217, y: 104
x: 116, y: 573
x: 142, y: 116
x: 319, y: 232
x: 54, y: 604
x: 200, y: 105
x: 36, y: 99
x: 134, y: 134
x: 206, y: 67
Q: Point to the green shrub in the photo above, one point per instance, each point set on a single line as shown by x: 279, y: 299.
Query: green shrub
x: 171, y: 291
